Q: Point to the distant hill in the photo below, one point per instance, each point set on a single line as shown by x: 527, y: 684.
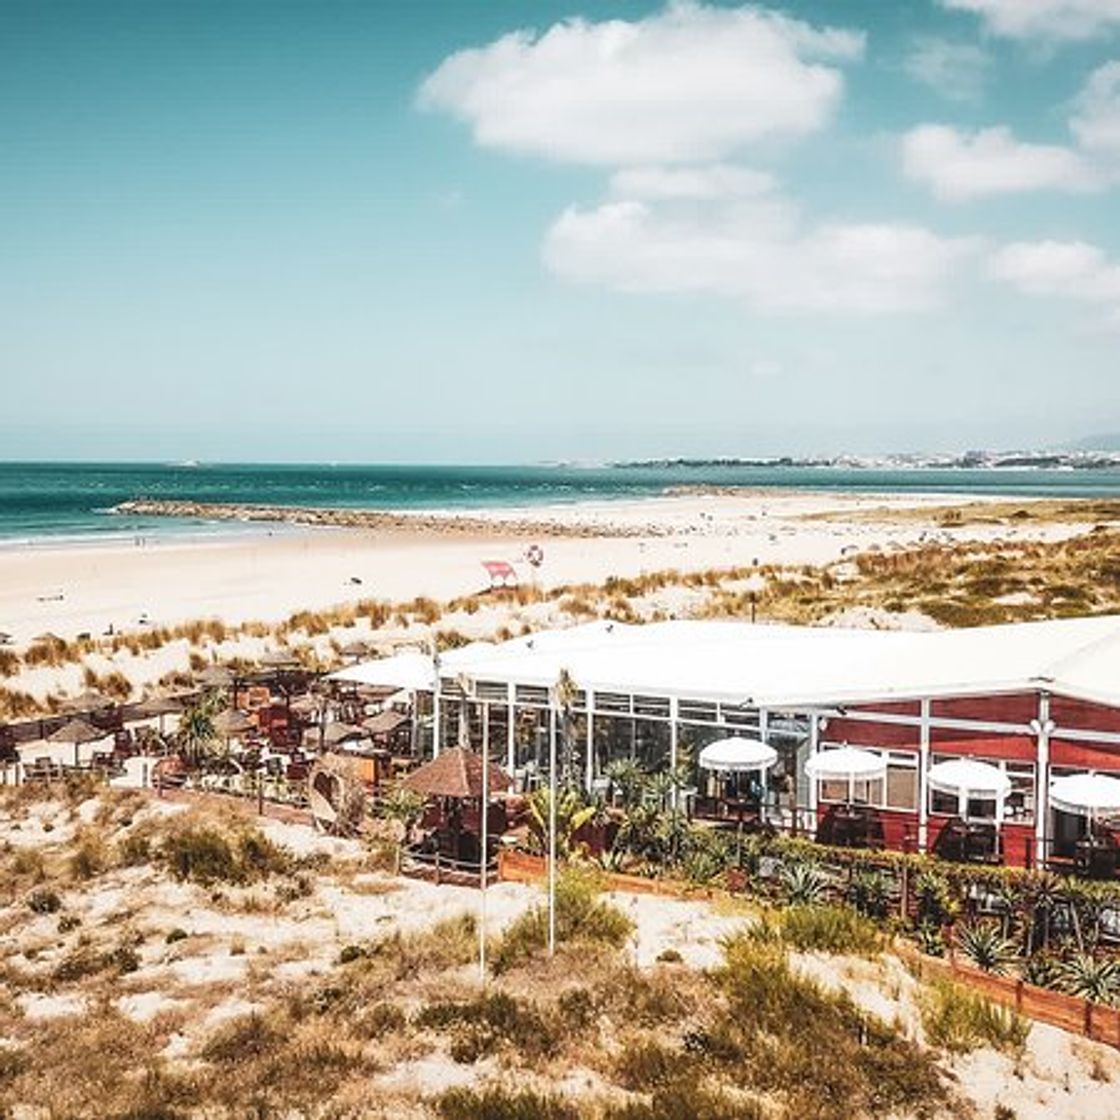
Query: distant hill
x: 1109, y: 442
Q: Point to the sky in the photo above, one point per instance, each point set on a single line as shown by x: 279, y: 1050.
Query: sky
x: 503, y: 231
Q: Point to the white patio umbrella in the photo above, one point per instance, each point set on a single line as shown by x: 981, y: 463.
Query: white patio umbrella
x: 737, y: 755
x: 969, y: 778
x: 847, y: 764
x: 1086, y: 795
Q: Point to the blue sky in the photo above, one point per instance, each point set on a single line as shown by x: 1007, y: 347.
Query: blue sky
x: 517, y: 231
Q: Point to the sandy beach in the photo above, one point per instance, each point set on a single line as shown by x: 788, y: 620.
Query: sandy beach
x: 264, y: 575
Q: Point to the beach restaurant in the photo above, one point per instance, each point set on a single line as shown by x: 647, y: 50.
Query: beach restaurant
x: 997, y: 744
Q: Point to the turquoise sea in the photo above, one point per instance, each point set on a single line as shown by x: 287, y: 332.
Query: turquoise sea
x: 67, y: 501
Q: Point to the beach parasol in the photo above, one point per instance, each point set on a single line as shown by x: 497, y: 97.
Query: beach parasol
x: 278, y: 659
x: 737, y: 755
x: 847, y: 764
x: 1085, y: 795
x: 456, y: 773
x: 968, y: 778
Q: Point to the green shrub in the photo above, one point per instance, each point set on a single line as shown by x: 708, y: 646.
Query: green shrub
x: 669, y: 956
x: 240, y: 1040
x: 90, y: 858
x: 43, y: 900
x: 350, y: 953
x: 201, y: 855
x: 176, y: 934
x: 830, y: 929
x: 687, y: 1103
x: 581, y: 917
x: 642, y: 1066
x: 480, y: 1026
x: 503, y: 1104
x: 68, y: 923
x: 959, y: 1020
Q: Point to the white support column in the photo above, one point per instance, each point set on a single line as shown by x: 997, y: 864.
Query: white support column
x: 923, y: 781
x: 486, y: 730
x: 589, y: 744
x: 1045, y: 728
x: 437, y: 721
x: 511, y: 729
x: 674, y: 742
x: 814, y: 746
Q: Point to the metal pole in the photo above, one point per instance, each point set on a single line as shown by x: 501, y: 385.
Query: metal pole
x: 552, y: 832
x: 485, y: 840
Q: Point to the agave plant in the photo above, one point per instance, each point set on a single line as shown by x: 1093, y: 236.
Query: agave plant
x: 986, y: 947
x: 1042, y: 970
x: 1090, y: 977
x: 804, y: 883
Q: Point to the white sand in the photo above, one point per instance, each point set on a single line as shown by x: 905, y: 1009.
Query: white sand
x: 257, y: 576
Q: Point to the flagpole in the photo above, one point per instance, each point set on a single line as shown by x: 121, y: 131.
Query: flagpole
x: 552, y: 832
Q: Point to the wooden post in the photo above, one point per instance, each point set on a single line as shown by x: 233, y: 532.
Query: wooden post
x: 1019, y: 996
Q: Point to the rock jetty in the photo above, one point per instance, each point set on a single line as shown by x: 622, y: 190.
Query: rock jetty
x: 380, y: 520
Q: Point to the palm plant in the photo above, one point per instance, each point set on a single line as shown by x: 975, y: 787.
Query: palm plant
x: 626, y: 776
x: 1090, y: 977
x: 984, y: 946
x: 572, y: 813
x: 196, y: 736
x: 564, y: 693
x: 869, y: 891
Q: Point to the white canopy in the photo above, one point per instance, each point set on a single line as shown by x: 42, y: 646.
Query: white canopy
x: 846, y: 764
x: 408, y: 671
x: 1085, y: 794
x: 967, y: 777
x: 737, y: 754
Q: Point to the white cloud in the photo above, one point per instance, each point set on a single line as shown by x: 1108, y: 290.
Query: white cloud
x: 1048, y: 19
x: 689, y: 84
x: 959, y: 166
x: 1096, y: 117
x: 1072, y: 270
x: 755, y: 251
x: 705, y: 183
x: 957, y: 71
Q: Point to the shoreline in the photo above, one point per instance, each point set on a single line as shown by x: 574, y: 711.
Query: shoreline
x: 268, y: 574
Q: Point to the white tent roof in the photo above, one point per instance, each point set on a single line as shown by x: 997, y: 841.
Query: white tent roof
x: 409, y: 671
x: 789, y: 666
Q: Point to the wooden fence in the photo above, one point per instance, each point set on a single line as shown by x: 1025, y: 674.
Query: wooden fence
x: 1069, y: 1013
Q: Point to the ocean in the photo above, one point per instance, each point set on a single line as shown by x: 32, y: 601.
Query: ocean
x: 61, y: 502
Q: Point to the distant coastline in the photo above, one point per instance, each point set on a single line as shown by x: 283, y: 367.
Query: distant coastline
x: 966, y: 461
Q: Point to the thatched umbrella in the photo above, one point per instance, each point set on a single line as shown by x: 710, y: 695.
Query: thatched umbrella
x: 384, y: 722
x: 456, y: 773
x: 159, y: 706
x: 216, y: 676
x: 88, y: 701
x: 278, y: 659
x: 335, y: 733
x: 77, y: 731
x: 306, y: 705
x: 231, y: 722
